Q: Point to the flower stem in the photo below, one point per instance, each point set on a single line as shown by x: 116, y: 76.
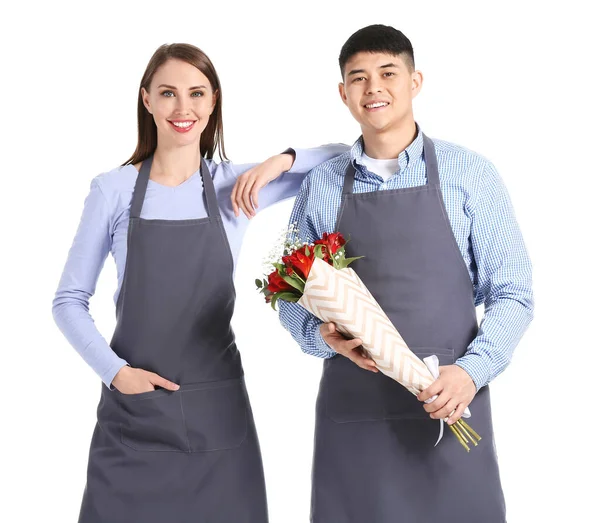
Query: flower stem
x: 459, y: 437
x: 464, y: 431
x: 465, y: 425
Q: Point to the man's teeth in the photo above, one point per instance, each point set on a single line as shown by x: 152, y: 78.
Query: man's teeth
x: 377, y: 104
x: 182, y: 124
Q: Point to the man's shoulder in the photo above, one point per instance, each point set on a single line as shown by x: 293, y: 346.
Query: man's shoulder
x: 330, y: 170
x: 451, y: 151
x: 459, y: 164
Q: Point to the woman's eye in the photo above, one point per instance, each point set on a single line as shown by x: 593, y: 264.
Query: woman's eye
x: 199, y: 93
x: 165, y: 93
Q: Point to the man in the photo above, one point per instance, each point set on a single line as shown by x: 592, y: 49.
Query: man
x: 436, y: 228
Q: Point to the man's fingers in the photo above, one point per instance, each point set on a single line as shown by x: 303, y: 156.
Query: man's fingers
x: 435, y: 388
x: 359, y: 360
x: 458, y: 412
x: 438, y: 403
x: 446, y: 410
x: 155, y: 379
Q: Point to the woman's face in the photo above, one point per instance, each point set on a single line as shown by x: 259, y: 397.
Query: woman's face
x: 181, y: 101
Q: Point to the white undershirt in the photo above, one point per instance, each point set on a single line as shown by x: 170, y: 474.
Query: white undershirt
x: 384, y: 168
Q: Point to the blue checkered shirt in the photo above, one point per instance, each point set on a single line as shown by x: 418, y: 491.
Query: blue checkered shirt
x: 483, y: 223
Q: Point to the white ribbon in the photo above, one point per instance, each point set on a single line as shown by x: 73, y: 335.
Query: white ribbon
x: 433, y: 364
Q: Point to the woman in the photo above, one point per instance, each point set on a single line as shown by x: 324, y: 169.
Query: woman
x: 187, y: 450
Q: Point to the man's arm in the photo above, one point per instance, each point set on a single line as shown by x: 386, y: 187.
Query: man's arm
x: 503, y: 281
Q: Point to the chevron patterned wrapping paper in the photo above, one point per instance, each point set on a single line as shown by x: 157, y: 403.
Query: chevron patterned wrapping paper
x: 339, y: 296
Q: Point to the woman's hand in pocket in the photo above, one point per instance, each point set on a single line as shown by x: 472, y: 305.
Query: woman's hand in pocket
x: 135, y: 381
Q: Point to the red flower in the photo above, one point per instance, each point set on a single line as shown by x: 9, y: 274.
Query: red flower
x: 299, y: 261
x: 277, y: 283
x: 332, y: 241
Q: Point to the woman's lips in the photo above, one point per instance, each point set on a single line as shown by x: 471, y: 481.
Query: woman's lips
x: 182, y: 128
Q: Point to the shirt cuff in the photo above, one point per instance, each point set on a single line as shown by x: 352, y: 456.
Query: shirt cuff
x: 109, y: 376
x: 324, y: 350
x: 475, y: 367
x: 291, y: 151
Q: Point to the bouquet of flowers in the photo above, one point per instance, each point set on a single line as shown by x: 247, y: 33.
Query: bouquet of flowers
x: 317, y: 277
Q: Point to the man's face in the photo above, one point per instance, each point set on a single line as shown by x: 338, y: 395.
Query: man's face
x: 378, y: 89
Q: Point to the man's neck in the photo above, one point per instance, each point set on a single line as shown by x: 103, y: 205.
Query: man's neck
x: 390, y: 143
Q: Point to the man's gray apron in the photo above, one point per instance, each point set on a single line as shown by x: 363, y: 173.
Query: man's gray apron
x: 192, y: 455
x: 375, y: 460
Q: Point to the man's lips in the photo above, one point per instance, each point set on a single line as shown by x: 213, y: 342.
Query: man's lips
x: 376, y: 106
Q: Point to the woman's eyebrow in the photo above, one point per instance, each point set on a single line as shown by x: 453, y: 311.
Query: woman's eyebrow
x: 175, y: 88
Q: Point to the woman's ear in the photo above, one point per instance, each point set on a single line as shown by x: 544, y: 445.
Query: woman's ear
x: 215, y: 97
x: 146, y: 100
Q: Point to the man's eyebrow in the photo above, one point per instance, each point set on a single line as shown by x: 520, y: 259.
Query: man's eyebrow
x: 356, y: 71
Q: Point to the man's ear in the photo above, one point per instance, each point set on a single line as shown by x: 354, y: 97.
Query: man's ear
x: 417, y: 83
x: 342, y: 89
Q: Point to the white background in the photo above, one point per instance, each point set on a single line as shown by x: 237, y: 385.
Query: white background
x: 516, y: 83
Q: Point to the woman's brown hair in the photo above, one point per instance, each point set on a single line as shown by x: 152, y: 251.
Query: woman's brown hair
x: 212, y: 136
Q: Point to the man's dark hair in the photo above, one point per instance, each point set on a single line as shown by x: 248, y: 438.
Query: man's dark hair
x: 377, y: 39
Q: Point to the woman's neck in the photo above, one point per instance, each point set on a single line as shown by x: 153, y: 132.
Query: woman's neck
x: 174, y: 165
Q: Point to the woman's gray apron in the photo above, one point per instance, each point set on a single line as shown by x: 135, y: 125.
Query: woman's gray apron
x: 375, y: 459
x: 190, y: 455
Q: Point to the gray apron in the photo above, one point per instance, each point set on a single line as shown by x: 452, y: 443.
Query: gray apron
x: 375, y: 459
x: 192, y: 455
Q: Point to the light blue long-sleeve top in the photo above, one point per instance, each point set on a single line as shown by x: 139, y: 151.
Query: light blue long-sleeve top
x: 103, y: 229
x: 483, y: 223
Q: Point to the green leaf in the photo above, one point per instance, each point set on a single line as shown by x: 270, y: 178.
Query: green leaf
x: 294, y: 283
x: 319, y: 250
x: 347, y: 261
x: 259, y: 284
x: 285, y: 296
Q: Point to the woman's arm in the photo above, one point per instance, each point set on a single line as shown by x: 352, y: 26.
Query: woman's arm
x: 293, y: 163
x: 70, y: 306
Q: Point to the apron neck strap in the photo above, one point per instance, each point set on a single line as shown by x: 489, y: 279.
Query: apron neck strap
x: 212, y: 205
x: 139, y: 192
x: 349, y: 179
x: 141, y: 185
x: 433, y: 177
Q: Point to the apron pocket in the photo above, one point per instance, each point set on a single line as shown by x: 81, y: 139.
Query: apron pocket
x: 215, y: 414
x: 356, y: 395
x: 153, y: 421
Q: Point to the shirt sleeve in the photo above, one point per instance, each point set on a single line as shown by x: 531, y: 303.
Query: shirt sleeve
x: 503, y: 281
x: 302, y: 325
x: 70, y: 307
x: 288, y: 184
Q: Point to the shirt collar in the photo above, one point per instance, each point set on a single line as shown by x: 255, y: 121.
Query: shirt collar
x: 406, y: 158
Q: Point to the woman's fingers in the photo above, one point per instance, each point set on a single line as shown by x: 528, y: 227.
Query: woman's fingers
x: 159, y: 381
